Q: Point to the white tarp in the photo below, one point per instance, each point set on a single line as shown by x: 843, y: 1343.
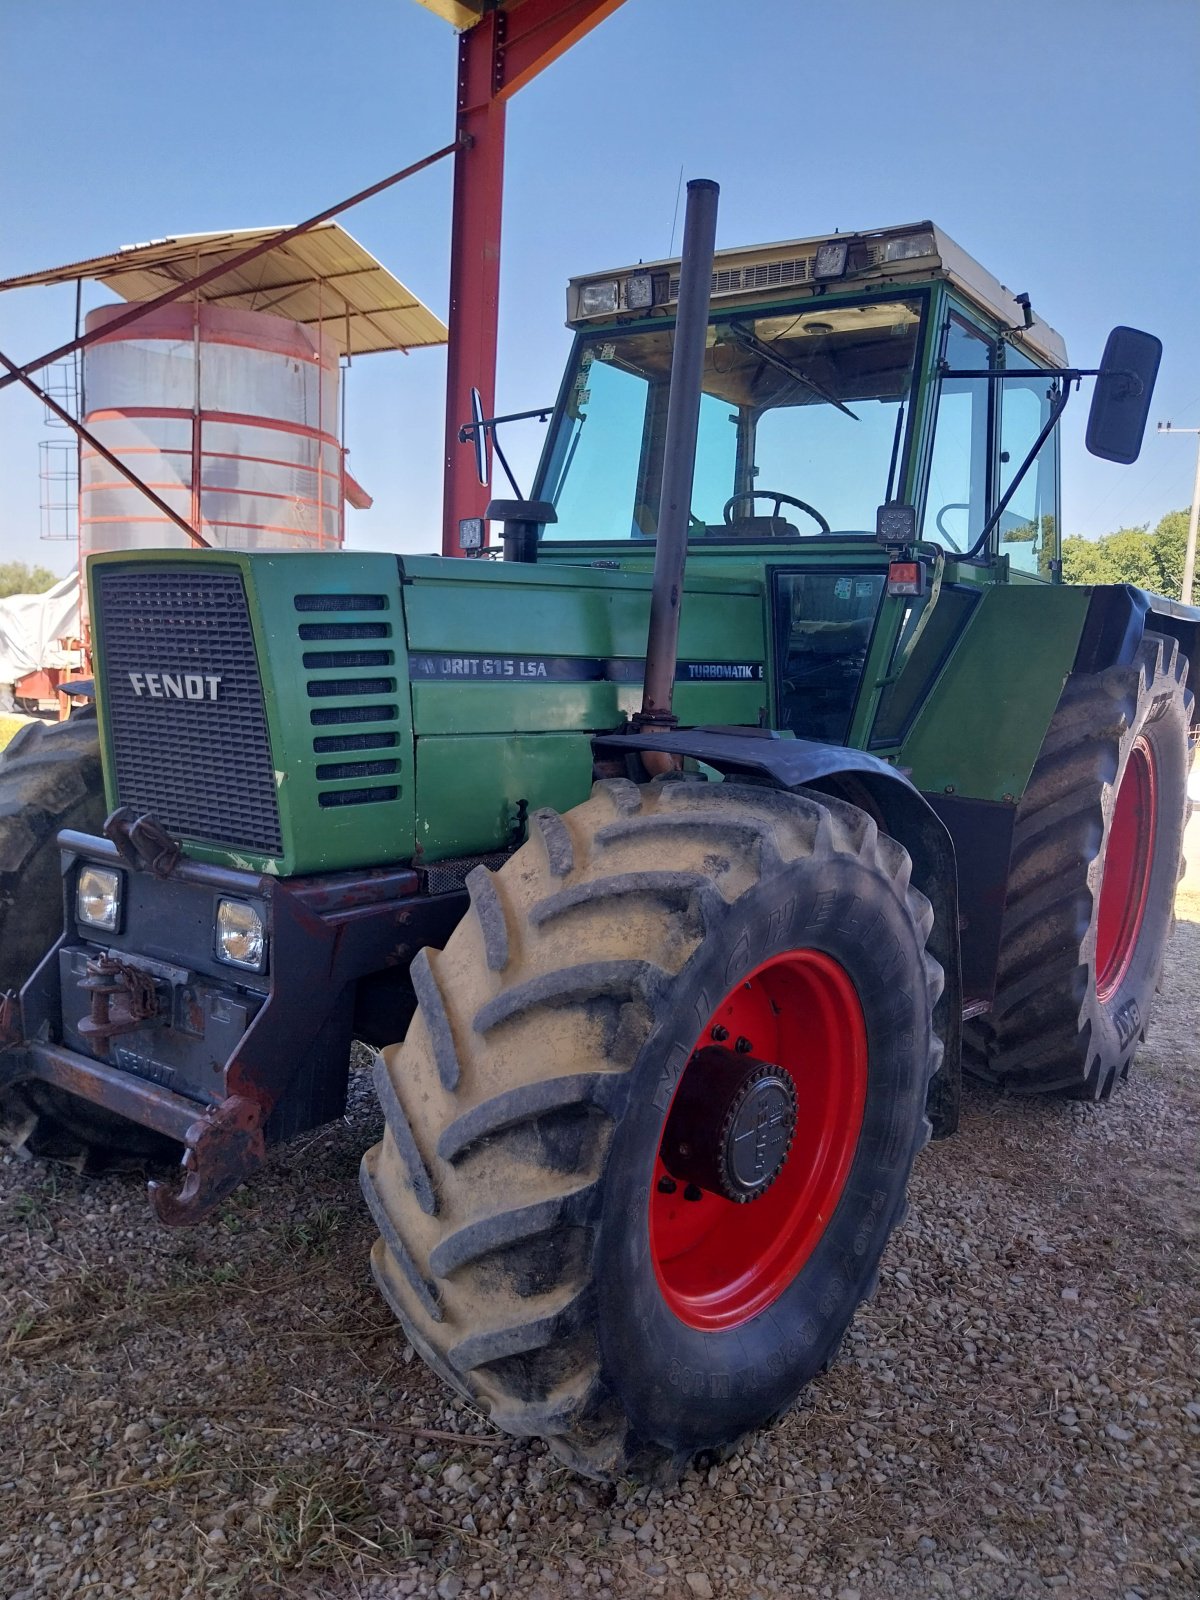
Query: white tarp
x: 31, y: 626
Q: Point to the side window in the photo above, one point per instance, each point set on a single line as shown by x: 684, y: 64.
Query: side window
x: 823, y: 627
x: 1028, y: 525
x: 956, y: 504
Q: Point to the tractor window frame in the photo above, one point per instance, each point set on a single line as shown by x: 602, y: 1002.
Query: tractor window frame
x: 1048, y: 461
x: 555, y: 457
x: 959, y: 313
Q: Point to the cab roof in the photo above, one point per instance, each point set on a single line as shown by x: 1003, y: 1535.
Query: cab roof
x: 907, y: 254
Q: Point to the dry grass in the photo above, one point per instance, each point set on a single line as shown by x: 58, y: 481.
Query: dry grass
x: 1187, y: 901
x: 10, y: 726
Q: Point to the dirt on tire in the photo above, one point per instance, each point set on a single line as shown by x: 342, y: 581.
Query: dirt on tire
x: 1053, y: 1027
x: 549, y: 1038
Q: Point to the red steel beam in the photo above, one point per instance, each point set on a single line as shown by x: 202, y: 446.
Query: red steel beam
x: 503, y: 52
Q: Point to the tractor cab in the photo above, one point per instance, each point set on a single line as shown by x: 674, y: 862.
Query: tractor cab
x: 840, y: 374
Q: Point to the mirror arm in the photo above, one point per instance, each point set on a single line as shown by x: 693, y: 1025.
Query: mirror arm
x: 1060, y: 405
x: 476, y: 431
x: 467, y: 432
x: 503, y: 460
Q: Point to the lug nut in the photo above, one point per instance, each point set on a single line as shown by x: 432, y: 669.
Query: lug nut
x: 743, y: 1046
x: 719, y: 1033
x: 667, y: 1185
x: 693, y: 1192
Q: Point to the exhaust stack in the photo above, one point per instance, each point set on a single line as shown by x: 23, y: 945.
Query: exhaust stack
x: 679, y: 454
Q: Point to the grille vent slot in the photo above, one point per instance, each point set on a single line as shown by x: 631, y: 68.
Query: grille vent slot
x: 324, y: 715
x: 328, y: 743
x: 342, y: 688
x: 357, y: 769
x: 760, y: 275
x: 332, y: 776
x: 358, y: 797
x: 348, y: 658
x: 444, y: 877
x: 345, y: 630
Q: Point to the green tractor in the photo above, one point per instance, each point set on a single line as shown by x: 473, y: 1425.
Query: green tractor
x: 674, y: 902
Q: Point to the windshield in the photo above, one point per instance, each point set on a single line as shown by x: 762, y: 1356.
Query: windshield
x: 806, y: 405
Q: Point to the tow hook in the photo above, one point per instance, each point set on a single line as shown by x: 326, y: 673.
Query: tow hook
x: 221, y: 1150
x: 122, y: 999
x: 143, y: 841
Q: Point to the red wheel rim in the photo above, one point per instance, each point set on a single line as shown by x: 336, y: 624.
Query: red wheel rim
x: 719, y: 1263
x: 1128, y: 856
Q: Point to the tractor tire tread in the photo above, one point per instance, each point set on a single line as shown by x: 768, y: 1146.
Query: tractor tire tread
x: 1039, y: 1036
x: 495, y: 1289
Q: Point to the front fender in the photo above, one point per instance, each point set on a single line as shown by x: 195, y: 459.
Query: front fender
x: 1119, y: 614
x: 898, y: 808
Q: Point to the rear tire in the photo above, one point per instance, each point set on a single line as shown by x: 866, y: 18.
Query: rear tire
x: 50, y: 779
x: 1096, y: 858
x: 519, y: 1187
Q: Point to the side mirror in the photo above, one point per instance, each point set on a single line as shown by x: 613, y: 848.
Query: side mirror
x: 1121, y: 399
x: 479, y: 440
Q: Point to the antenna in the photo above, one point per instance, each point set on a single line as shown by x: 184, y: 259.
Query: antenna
x: 675, y: 218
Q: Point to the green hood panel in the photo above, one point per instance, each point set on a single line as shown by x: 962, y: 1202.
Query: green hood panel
x: 406, y: 701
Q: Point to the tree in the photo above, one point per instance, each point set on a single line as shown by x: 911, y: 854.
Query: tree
x: 18, y: 578
x: 1170, y: 540
x: 1152, y: 561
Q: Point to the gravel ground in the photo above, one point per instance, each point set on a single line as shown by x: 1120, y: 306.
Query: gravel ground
x: 230, y: 1411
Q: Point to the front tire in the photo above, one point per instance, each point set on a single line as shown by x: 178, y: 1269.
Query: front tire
x: 529, y: 1243
x: 50, y: 779
x: 1097, y: 850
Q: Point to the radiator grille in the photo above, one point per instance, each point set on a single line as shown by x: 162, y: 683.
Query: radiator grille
x: 192, y: 746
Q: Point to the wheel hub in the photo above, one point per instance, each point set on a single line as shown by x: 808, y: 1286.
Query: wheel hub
x: 731, y: 1124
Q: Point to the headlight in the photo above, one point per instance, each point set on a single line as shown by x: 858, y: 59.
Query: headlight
x: 597, y: 298
x: 912, y: 248
x: 241, y: 937
x: 98, y: 898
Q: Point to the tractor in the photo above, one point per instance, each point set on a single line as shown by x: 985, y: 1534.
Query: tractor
x: 676, y: 865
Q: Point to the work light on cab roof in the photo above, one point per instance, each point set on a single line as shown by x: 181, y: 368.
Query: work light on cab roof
x: 911, y: 252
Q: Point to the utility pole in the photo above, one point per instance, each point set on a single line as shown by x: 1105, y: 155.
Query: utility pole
x: 1189, y: 560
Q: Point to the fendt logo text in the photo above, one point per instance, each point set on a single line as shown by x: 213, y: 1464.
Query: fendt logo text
x: 176, y: 685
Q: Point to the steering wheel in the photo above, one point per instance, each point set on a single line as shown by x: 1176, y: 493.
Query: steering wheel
x: 952, y: 505
x: 779, y: 500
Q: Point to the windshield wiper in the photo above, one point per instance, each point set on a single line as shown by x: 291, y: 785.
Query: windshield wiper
x: 751, y: 341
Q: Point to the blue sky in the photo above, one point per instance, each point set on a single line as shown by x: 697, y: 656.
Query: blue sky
x: 1058, y: 141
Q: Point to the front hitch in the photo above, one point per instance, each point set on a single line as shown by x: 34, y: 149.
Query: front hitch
x: 222, y: 1149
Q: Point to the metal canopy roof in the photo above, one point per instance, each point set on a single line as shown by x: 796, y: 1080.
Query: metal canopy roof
x: 461, y: 13
x: 324, y: 276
